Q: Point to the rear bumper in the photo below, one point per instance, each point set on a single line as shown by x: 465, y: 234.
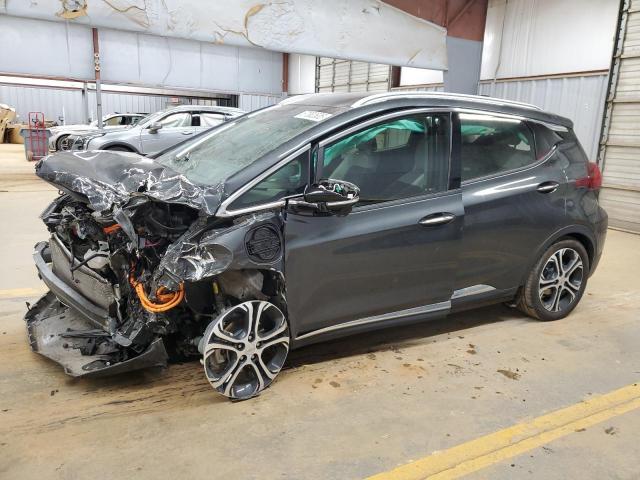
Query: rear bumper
x: 601, y: 234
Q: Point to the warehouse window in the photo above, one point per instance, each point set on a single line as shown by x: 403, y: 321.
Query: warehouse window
x: 492, y: 145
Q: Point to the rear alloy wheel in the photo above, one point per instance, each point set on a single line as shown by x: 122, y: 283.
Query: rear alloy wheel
x: 245, y: 348
x: 557, y: 282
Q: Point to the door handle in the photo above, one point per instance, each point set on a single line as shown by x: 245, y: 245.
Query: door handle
x: 548, y: 187
x: 436, y: 219
x: 187, y: 133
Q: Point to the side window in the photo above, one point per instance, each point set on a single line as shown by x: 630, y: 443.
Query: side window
x: 291, y: 179
x: 114, y: 121
x: 491, y: 145
x: 135, y: 120
x: 209, y: 120
x: 176, y: 120
x: 396, y: 159
x: 545, y: 139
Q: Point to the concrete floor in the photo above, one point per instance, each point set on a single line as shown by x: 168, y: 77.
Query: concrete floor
x: 346, y: 409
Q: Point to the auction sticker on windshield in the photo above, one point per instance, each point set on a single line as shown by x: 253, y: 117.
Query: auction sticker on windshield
x: 313, y: 116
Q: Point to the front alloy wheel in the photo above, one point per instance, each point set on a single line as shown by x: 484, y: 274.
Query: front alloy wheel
x: 556, y: 283
x: 245, y: 348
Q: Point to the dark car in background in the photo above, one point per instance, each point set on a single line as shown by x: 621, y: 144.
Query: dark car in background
x: 323, y: 216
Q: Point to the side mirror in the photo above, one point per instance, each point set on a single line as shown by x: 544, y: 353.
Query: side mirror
x: 154, y: 127
x: 332, y: 196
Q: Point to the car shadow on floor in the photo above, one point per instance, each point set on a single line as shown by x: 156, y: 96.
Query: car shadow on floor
x: 189, y: 374
x: 401, y: 337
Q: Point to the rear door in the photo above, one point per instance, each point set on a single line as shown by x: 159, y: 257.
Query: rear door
x: 176, y: 127
x: 395, y: 255
x: 514, y: 199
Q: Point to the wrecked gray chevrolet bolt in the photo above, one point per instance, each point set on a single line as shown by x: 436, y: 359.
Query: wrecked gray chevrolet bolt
x: 322, y: 216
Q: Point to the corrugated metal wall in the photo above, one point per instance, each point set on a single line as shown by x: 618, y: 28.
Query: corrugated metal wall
x: 526, y: 38
x: 65, y: 50
x: 127, y: 103
x: 52, y: 101
x: 254, y: 102
x: 580, y: 98
x: 620, y: 154
x: 334, y: 75
x: 57, y: 102
x: 153, y: 63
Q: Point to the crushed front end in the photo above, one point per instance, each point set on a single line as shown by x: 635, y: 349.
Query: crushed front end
x: 136, y: 272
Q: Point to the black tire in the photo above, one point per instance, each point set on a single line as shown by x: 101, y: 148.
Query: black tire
x: 59, y: 142
x: 118, y: 148
x: 538, y: 296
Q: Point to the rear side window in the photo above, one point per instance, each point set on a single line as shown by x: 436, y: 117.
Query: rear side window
x: 545, y: 139
x: 209, y: 120
x: 492, y: 145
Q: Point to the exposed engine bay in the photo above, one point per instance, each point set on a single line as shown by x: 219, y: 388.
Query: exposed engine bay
x: 136, y: 285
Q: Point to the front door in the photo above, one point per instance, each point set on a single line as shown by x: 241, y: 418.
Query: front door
x: 395, y: 255
x: 176, y: 127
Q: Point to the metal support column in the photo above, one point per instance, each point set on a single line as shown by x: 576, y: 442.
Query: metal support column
x: 96, y: 62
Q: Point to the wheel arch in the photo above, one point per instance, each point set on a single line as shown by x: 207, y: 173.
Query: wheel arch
x: 122, y: 145
x: 579, y: 233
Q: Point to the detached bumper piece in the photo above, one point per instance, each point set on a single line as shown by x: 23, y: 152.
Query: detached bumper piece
x: 65, y: 336
x: 71, y: 330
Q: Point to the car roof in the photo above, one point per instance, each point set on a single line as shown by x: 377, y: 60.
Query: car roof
x: 350, y: 101
x: 204, y: 108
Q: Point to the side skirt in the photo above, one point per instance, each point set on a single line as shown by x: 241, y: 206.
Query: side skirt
x: 463, y: 299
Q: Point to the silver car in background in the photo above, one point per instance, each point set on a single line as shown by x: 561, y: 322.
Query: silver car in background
x: 59, y: 139
x: 158, y: 131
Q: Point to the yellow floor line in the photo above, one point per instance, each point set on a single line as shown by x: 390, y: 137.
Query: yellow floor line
x: 21, y: 292
x: 496, y: 447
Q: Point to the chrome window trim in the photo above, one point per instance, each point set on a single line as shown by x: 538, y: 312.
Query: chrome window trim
x: 398, y: 202
x: 381, y: 118
x: 433, y: 307
x: 223, y: 210
x: 537, y: 163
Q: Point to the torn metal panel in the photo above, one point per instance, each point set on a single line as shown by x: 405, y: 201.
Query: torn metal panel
x: 61, y: 334
x: 366, y: 30
x: 109, y: 179
x: 252, y: 242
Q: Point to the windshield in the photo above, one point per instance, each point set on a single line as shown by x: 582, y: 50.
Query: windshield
x: 226, y: 150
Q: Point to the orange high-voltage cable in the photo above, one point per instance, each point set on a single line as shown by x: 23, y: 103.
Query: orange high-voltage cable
x: 167, y: 300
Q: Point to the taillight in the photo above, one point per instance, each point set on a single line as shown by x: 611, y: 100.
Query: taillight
x: 593, y: 180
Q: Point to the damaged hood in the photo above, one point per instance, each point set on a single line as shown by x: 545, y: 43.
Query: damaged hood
x: 112, y: 179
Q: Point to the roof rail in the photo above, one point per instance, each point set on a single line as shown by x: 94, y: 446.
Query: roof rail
x: 382, y: 97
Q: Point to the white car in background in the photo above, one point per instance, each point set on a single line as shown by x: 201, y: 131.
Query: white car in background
x: 157, y: 131
x: 59, y: 135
